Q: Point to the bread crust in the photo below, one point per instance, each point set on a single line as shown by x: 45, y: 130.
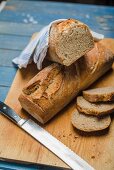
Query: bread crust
x: 56, y: 85
x: 96, y: 109
x: 89, y: 123
x: 67, y: 53
x: 32, y: 108
x: 94, y: 97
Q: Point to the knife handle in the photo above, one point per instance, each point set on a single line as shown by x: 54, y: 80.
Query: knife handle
x: 7, y: 111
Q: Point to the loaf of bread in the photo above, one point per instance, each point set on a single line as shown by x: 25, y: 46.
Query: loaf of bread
x: 103, y: 94
x: 89, y: 123
x: 56, y: 85
x: 69, y: 40
x: 97, y: 109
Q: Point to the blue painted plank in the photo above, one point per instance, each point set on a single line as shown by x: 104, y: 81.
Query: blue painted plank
x: 43, y: 17
x: 97, y: 17
x: 3, y: 92
x: 6, y: 57
x: 28, y: 29
x: 7, y: 75
x: 51, y: 10
x: 106, y: 33
x: 13, y: 42
x: 19, y: 28
x: 30, y: 5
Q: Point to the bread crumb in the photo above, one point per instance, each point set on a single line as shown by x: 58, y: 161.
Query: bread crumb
x: 63, y: 135
x: 99, y: 153
x: 70, y: 134
x: 93, y: 157
x: 76, y: 137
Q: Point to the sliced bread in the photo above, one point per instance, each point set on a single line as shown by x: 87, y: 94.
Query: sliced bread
x: 99, y: 94
x: 68, y: 41
x: 94, y: 109
x: 89, y: 123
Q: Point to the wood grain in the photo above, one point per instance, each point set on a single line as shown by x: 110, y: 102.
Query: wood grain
x: 97, y: 149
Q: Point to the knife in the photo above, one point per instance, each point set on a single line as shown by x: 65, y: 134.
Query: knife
x: 6, y: 163
x: 45, y: 138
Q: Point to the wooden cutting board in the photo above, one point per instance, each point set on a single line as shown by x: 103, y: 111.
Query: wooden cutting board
x: 97, y: 149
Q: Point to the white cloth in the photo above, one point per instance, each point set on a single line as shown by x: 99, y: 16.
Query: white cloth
x: 37, y: 48
x: 97, y: 36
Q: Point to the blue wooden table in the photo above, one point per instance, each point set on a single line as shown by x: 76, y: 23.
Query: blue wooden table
x: 20, y: 19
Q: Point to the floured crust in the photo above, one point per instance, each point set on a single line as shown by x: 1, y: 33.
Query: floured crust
x: 56, y: 85
x: 69, y: 40
x: 94, y: 64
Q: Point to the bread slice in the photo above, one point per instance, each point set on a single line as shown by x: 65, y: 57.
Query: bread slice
x: 68, y: 41
x: 94, y: 109
x: 99, y: 94
x: 89, y: 123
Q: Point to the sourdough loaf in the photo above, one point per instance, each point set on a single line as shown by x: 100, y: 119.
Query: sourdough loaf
x: 97, y: 109
x: 108, y: 43
x: 103, y: 94
x: 56, y: 85
x: 69, y: 40
x: 89, y: 123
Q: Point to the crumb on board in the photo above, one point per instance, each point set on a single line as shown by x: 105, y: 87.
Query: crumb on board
x: 99, y: 153
x: 76, y: 137
x: 92, y: 157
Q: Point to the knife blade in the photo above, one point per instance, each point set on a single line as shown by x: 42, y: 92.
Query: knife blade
x: 22, y: 165
x: 45, y: 138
